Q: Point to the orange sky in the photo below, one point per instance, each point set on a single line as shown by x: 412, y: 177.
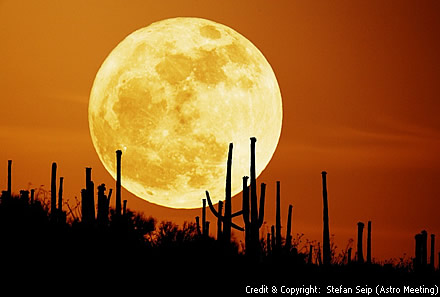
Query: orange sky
x: 360, y: 86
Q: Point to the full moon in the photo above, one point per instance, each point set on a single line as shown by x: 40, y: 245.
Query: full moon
x: 172, y: 96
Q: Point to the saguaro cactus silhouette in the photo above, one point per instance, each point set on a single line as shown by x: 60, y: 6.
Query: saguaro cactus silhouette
x: 360, y: 254
x: 278, y: 219
x: 349, y: 256
x: 60, y: 195
x: 124, y: 207
x: 204, y: 217
x: 90, y: 187
x: 228, y: 215
x: 252, y: 216
x: 288, y: 244
x: 88, y: 199
x: 228, y: 203
x: 9, y: 191
x: 53, y: 189
x: 369, y: 243
x: 219, y: 221
x: 431, y: 260
x: 272, y: 232
x: 118, y: 207
x: 198, y: 225
x: 103, y: 205
x: 326, y: 232
x: 207, y: 228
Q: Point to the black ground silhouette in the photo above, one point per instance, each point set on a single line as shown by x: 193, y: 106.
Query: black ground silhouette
x: 118, y: 249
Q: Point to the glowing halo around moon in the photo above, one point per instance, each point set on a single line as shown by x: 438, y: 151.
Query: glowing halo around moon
x: 172, y: 96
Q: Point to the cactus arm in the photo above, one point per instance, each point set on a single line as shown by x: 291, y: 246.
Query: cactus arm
x: 211, y: 207
x: 109, y: 195
x: 237, y: 227
x: 236, y: 214
x: 220, y: 217
x: 261, y: 212
x: 245, y: 207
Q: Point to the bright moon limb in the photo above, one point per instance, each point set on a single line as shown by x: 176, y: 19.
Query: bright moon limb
x: 172, y: 96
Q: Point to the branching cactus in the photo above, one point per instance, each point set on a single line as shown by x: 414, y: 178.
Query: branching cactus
x: 226, y: 218
x: 252, y: 216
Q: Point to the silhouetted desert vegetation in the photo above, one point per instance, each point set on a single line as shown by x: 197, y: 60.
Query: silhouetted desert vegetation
x: 87, y: 241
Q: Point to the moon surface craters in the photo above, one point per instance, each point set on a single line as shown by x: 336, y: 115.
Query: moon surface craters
x: 172, y: 96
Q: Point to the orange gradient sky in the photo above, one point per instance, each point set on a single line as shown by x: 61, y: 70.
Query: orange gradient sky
x: 360, y: 82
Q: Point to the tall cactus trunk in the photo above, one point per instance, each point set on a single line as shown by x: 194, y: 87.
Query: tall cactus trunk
x: 9, y: 179
x: 326, y: 232
x: 124, y: 208
x: 245, y: 208
x: 88, y: 200
x: 268, y: 245
x: 204, y: 217
x: 118, y: 207
x: 53, y: 190
x: 102, y: 215
x: 288, y: 244
x: 60, y: 195
x: 360, y: 254
x: 272, y: 231
x: 90, y: 188
x: 228, y: 204
x: 226, y: 219
x: 278, y: 220
x: 431, y: 260
x: 309, y: 261
x: 219, y: 222
x: 253, y: 216
x: 198, y: 225
x: 369, y: 243
x: 207, y: 228
x: 253, y: 194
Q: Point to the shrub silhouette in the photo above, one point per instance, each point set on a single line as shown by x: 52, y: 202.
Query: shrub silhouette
x: 35, y: 233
